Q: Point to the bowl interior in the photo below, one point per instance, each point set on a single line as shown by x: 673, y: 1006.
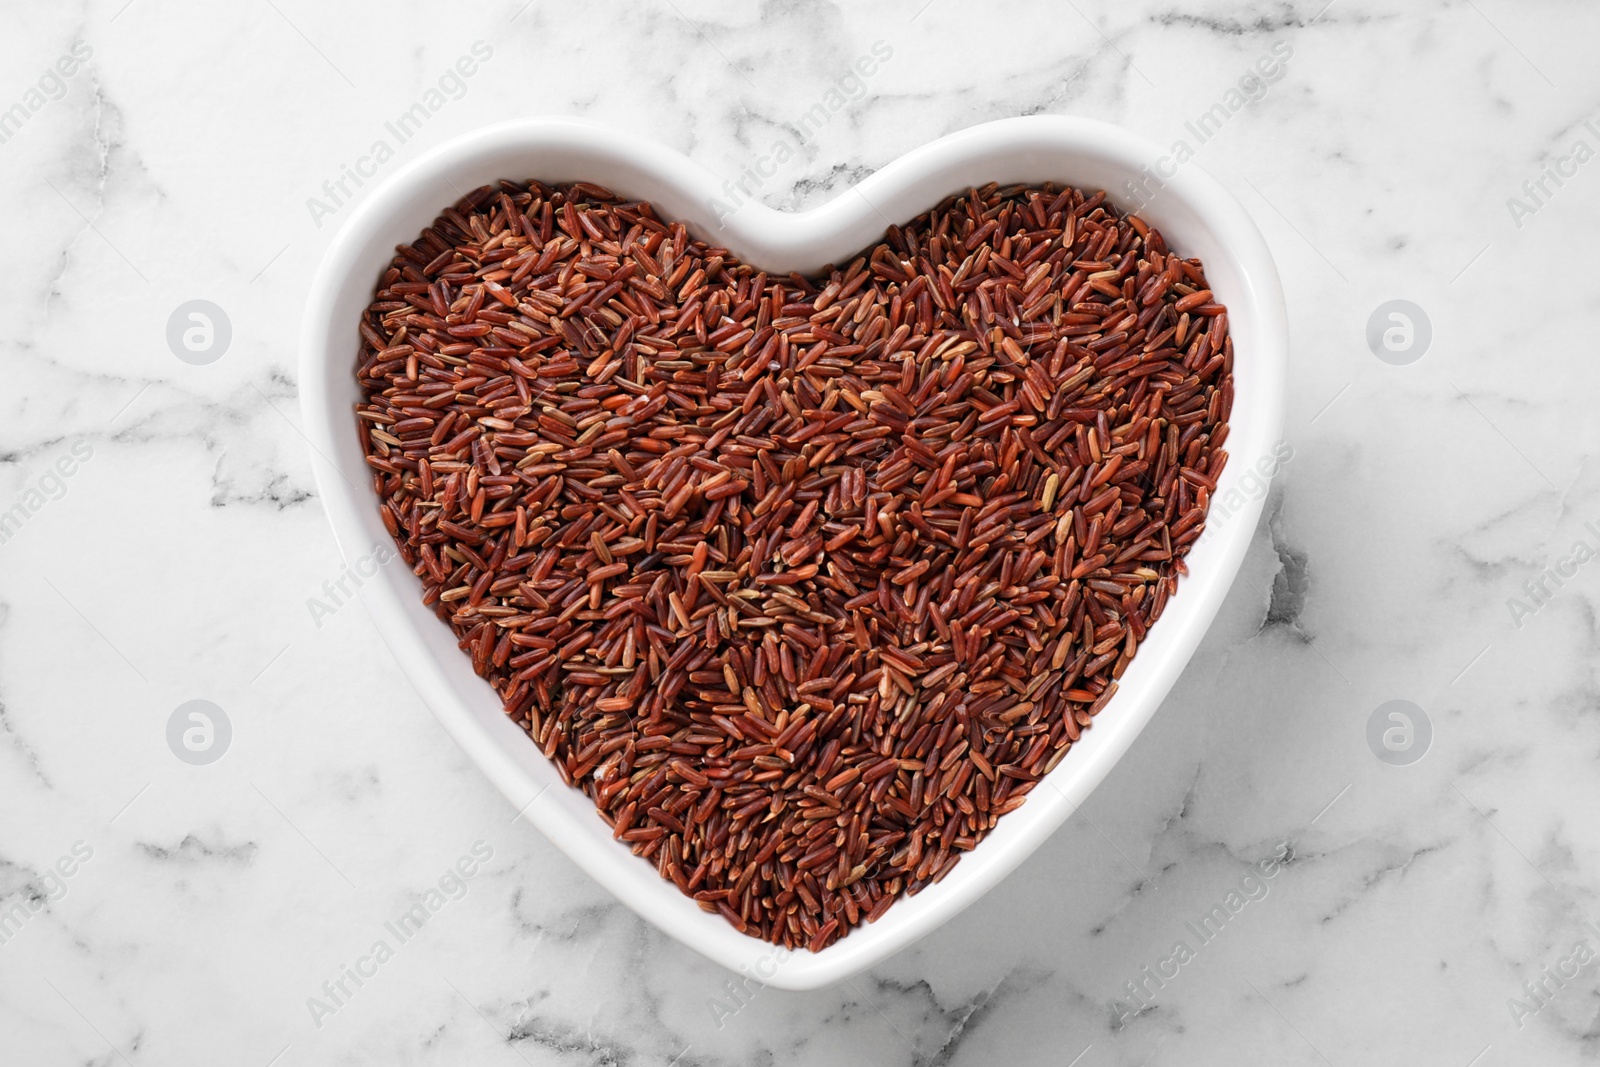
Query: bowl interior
x: 1197, y: 216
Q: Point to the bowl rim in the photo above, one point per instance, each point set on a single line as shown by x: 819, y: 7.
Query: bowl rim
x: 687, y: 192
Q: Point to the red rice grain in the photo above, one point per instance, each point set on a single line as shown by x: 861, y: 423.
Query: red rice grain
x: 805, y: 582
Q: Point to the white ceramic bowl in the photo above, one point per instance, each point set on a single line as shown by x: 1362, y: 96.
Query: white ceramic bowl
x: 1198, y: 217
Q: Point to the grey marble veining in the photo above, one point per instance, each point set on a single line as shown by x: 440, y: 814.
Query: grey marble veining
x: 1445, y: 912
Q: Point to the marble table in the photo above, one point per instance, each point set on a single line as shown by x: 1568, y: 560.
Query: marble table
x: 1428, y: 542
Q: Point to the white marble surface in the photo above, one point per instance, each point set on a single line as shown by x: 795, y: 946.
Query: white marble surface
x: 178, y: 562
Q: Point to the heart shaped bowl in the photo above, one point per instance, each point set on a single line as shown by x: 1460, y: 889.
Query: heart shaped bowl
x: 1195, y: 213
